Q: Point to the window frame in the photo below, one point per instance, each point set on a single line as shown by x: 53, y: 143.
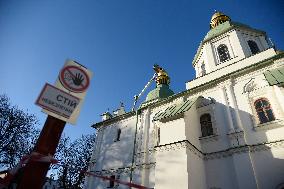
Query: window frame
x: 202, y: 69
x: 263, y: 90
x: 264, y: 109
x: 118, y: 135
x: 111, y: 182
x: 207, y: 106
x: 158, y: 135
x: 206, y: 125
x: 253, y: 46
x: 225, y: 52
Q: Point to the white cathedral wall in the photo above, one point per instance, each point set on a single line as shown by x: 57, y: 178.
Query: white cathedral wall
x: 212, y: 144
x: 209, y: 55
x: 145, y: 142
x: 219, y: 120
x: 195, y: 170
x: 180, y: 168
x: 237, y: 46
x: 259, y: 164
x: 244, y: 170
x: 229, y: 39
x: 245, y: 101
x: 244, y: 46
x: 171, y: 169
x: 264, y: 42
x: 236, y: 41
x: 220, y: 173
x: 257, y: 37
x: 198, y: 64
x: 116, y: 154
x: 233, y: 67
x: 243, y: 164
x: 110, y: 154
x: 191, y: 126
x: 172, y: 131
x: 210, y: 60
x: 245, y: 104
x: 269, y: 166
x: 171, y: 165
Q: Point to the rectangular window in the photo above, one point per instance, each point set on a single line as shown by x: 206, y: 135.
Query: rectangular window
x: 111, y: 182
x: 270, y: 115
x: 118, y: 133
x: 262, y: 117
x: 159, y: 136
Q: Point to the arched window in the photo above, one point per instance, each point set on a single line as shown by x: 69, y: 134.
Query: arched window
x: 206, y: 125
x: 223, y: 53
x: 253, y: 47
x: 264, y: 110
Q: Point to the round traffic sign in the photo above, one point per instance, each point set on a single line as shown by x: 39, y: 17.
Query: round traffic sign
x: 74, y: 78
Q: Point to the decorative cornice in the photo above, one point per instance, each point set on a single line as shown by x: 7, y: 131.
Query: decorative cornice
x: 179, y: 145
x: 269, y: 125
x: 121, y: 170
x: 234, y: 135
x: 112, y: 120
x: 205, y: 156
x: 209, y: 138
x: 221, y: 153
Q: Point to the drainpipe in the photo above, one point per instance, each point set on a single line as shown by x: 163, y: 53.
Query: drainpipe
x: 134, y: 144
x: 136, y: 97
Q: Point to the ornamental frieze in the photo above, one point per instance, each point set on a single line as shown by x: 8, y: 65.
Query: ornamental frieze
x: 219, y: 154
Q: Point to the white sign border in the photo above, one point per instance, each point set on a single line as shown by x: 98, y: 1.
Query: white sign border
x: 47, y: 109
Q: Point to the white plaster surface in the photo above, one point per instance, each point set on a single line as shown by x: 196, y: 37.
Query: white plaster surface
x: 242, y: 154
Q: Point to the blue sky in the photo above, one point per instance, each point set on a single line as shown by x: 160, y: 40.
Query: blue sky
x: 119, y: 40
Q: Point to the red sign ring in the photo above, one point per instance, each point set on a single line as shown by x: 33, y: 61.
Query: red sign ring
x: 74, y: 81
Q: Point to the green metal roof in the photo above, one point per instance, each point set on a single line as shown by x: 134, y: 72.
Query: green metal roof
x: 275, y: 76
x: 175, y: 109
x: 218, y: 30
x: 161, y: 91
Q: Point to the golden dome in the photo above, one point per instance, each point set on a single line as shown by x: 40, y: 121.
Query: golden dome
x: 162, y: 76
x: 218, y: 18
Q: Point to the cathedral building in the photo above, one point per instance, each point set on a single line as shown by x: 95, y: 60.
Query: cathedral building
x: 225, y: 131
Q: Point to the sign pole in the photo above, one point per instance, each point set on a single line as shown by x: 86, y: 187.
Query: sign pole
x: 62, y: 101
x: 34, y: 172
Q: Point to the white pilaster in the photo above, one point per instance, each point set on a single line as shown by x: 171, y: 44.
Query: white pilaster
x: 145, y: 172
x: 228, y: 113
x: 233, y: 104
x: 279, y: 97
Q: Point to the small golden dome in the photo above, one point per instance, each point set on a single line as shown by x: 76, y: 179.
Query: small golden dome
x: 218, y: 18
x: 162, y: 76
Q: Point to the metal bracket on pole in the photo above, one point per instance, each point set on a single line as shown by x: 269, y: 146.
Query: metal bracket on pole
x: 136, y: 97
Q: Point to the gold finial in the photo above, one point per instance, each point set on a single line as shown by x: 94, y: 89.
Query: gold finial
x: 162, y: 76
x: 218, y: 18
